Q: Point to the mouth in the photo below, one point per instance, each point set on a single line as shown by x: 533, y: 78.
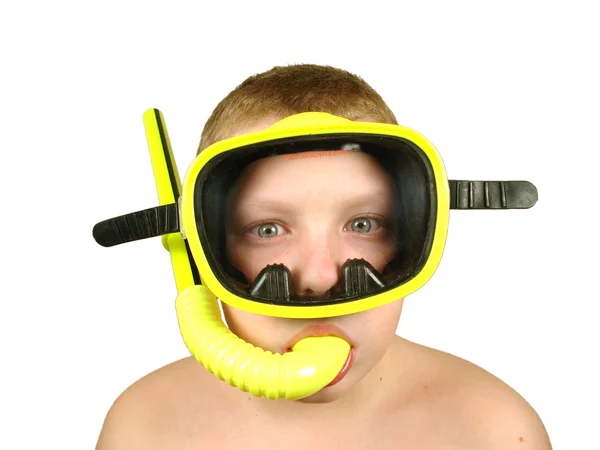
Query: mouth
x: 345, y: 369
x: 318, y: 330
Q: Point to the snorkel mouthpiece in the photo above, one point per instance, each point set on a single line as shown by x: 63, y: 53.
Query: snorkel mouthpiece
x: 311, y: 365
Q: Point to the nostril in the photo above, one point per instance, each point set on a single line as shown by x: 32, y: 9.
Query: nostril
x: 313, y: 297
x: 313, y: 293
x: 336, y: 290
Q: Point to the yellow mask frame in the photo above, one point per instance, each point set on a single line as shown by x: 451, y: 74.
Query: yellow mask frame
x: 315, y: 124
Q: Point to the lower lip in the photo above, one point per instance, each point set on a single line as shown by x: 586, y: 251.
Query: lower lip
x: 345, y: 369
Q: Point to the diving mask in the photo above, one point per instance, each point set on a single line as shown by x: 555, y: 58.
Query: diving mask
x: 196, y: 218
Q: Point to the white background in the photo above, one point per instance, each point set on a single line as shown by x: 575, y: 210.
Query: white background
x: 504, y: 90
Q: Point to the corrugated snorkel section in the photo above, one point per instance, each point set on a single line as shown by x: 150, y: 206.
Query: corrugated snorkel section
x: 311, y: 365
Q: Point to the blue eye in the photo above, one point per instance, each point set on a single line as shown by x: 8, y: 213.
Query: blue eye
x: 267, y: 230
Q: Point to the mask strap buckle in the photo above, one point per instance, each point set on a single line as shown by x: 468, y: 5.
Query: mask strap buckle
x: 492, y: 194
x: 138, y: 225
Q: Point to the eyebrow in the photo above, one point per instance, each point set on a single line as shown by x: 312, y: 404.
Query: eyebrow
x: 375, y: 198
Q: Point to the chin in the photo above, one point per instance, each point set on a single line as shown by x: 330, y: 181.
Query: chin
x: 329, y: 394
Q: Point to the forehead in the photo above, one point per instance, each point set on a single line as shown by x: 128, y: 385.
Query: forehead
x: 342, y: 174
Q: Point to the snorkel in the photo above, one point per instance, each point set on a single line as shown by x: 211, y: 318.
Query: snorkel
x: 188, y: 221
x: 313, y: 362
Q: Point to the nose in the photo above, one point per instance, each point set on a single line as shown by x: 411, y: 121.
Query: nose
x: 317, y: 267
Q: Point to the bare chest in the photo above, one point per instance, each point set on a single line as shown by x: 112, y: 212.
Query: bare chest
x: 345, y: 435
x: 311, y: 440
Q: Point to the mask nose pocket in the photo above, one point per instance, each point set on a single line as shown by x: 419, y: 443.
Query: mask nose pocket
x: 359, y: 279
x: 273, y: 283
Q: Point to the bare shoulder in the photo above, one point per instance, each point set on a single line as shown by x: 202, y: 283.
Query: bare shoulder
x: 150, y: 411
x: 475, y: 408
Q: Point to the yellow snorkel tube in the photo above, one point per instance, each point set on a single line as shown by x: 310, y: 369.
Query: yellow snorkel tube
x: 311, y: 365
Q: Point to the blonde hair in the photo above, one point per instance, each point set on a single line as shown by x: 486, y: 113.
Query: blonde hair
x: 287, y: 90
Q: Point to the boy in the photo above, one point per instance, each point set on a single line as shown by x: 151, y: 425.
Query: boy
x: 312, y: 211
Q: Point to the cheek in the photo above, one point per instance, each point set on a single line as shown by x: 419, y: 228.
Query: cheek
x: 250, y: 259
x: 378, y: 253
x: 260, y: 331
x: 379, y: 325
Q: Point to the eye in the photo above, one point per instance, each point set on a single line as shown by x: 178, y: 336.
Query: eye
x: 364, y: 224
x: 268, y: 230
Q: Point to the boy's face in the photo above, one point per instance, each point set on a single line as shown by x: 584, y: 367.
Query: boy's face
x: 312, y: 215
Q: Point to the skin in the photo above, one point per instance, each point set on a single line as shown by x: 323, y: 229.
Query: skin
x: 305, y: 214
x: 398, y: 394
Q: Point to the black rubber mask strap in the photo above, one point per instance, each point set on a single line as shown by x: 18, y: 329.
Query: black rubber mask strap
x: 492, y: 194
x: 144, y: 224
